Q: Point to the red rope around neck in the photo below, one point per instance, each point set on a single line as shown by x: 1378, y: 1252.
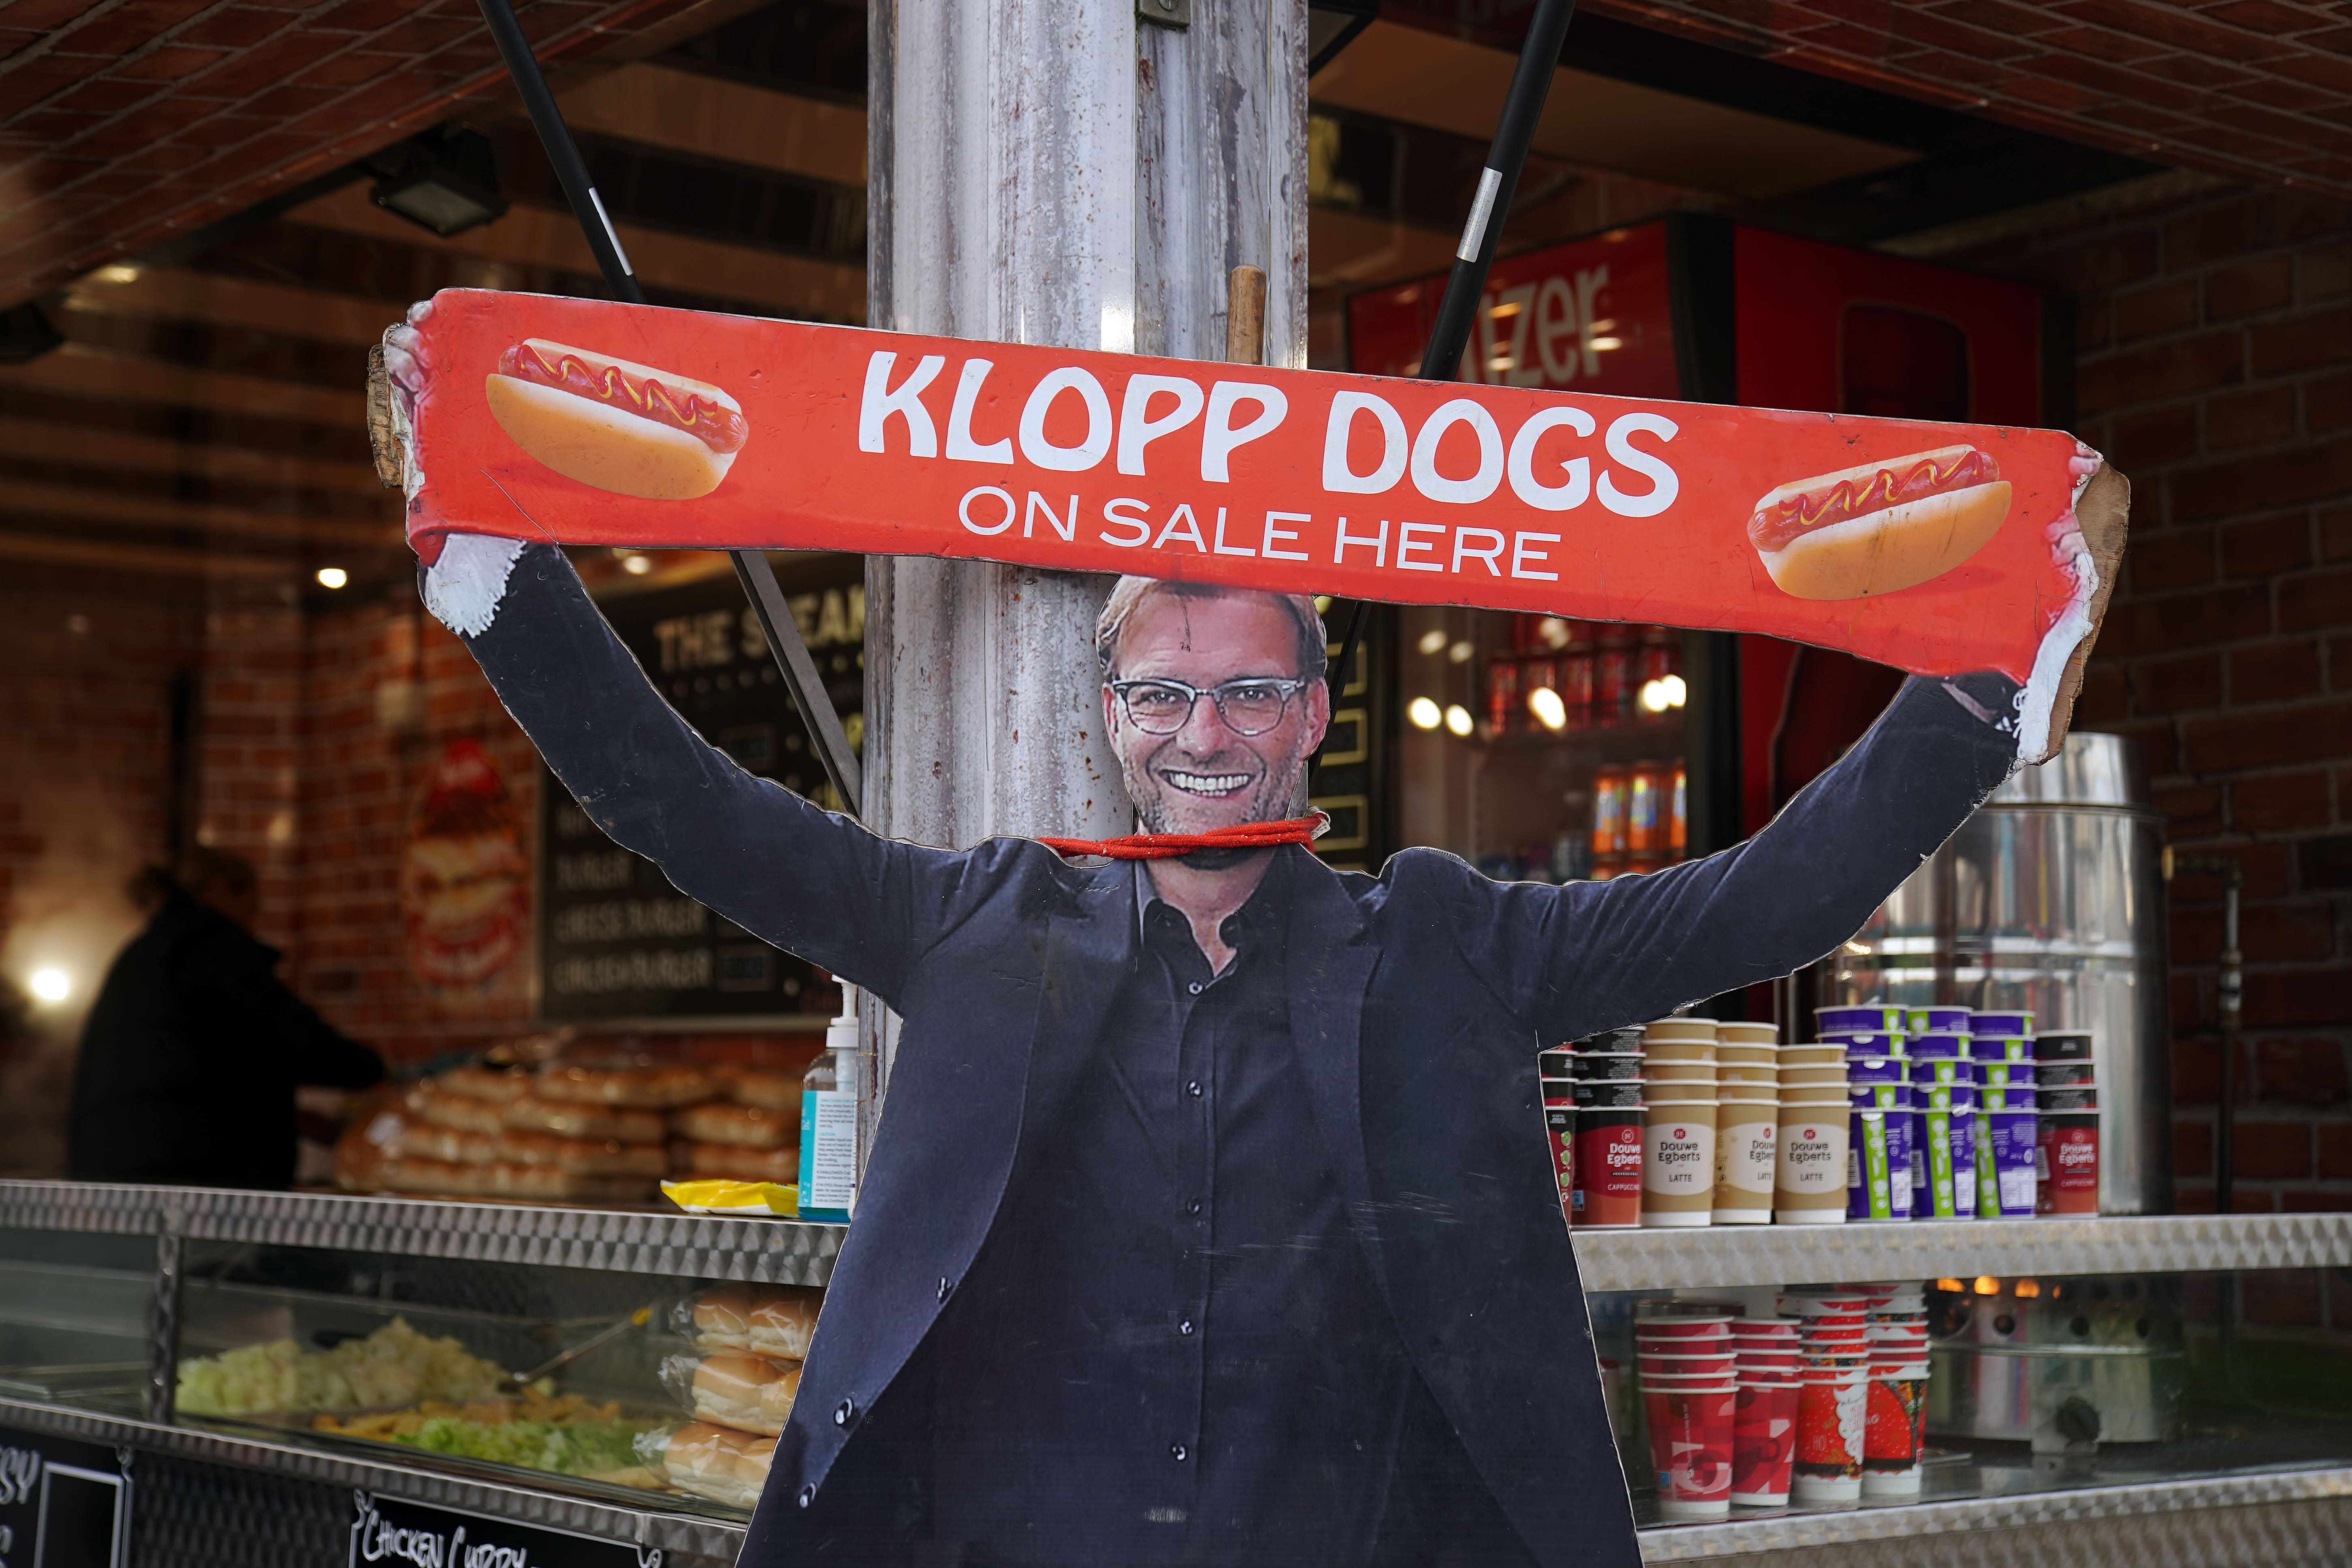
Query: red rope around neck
x: 1165, y: 845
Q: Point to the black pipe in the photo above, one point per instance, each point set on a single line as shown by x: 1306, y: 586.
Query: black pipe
x: 1474, y: 258
x: 831, y: 742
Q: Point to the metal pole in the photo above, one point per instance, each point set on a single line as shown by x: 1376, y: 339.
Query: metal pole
x: 2229, y: 999
x: 759, y: 578
x: 1475, y: 256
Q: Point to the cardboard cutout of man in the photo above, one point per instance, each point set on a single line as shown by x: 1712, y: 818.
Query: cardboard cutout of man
x: 1210, y: 1219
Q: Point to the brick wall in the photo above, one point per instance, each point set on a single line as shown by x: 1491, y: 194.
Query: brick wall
x: 2215, y: 369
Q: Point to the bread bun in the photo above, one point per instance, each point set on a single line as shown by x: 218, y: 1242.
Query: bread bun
x: 1882, y: 527
x: 601, y: 439
x: 441, y: 1107
x: 546, y: 1183
x: 447, y: 1144
x: 748, y: 1393
x: 746, y: 1126
x: 735, y: 1163
x: 600, y: 1123
x: 772, y: 1320
x: 713, y: 1462
x: 768, y: 1089
x: 653, y: 1089
x: 581, y: 1156
x: 484, y: 1083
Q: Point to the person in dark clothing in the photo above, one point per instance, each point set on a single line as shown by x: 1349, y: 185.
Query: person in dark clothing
x: 1208, y: 1219
x: 193, y: 1048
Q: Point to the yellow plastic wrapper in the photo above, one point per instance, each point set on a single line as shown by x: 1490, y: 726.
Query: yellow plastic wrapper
x: 752, y: 1199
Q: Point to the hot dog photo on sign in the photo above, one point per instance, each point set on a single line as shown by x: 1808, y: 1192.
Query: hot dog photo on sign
x: 1209, y: 1217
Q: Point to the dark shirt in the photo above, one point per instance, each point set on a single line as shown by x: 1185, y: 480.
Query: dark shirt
x: 1174, y: 1283
x: 191, y: 1055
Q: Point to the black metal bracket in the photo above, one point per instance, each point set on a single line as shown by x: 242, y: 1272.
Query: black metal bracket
x: 759, y: 578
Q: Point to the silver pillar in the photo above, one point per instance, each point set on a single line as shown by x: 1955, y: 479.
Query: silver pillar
x: 1055, y: 172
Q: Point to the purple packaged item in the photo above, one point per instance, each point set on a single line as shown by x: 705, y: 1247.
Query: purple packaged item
x: 1876, y: 1019
x: 1948, y: 1047
x: 1875, y: 1070
x: 2002, y: 1074
x: 1869, y: 1045
x: 1937, y: 1020
x: 2001, y: 1023
x: 2007, y: 1097
x: 2000, y: 1048
x: 1941, y: 1071
x: 1943, y: 1096
x: 2011, y: 1139
x: 1890, y: 1095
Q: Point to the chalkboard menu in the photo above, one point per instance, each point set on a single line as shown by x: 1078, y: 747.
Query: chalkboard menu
x: 412, y: 1535
x: 617, y: 942
x: 62, y: 1504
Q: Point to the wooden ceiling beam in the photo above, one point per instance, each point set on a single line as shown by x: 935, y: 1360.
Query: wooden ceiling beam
x: 43, y: 441
x: 711, y: 118
x: 170, y: 294
x: 78, y: 368
x: 794, y: 285
x: 104, y: 510
x: 148, y: 560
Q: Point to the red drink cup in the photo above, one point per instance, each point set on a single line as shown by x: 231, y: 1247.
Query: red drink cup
x: 1831, y: 1410
x: 1671, y: 1365
x: 1895, y: 1421
x: 1767, y: 1361
x: 1690, y: 1448
x: 1667, y: 1315
x: 1763, y: 1443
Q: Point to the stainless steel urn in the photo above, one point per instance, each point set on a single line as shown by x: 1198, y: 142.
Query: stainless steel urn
x: 2052, y: 898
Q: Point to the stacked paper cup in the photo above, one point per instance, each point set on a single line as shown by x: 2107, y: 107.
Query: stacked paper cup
x: 1810, y: 1185
x: 1689, y: 1390
x: 2068, y: 1167
x: 1679, y: 1126
x: 1834, y: 1373
x: 1605, y: 1087
x: 1765, y: 1352
x: 1748, y: 1121
x: 1896, y: 1407
x: 2008, y: 1128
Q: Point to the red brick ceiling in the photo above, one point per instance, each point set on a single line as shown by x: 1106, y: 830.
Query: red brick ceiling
x: 2258, y: 90
x: 124, y: 123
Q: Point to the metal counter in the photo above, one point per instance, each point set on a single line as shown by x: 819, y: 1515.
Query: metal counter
x: 2284, y: 1514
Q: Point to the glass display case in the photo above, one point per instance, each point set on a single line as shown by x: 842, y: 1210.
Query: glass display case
x: 619, y: 1376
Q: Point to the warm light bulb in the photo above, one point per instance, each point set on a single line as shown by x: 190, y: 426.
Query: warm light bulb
x: 1433, y: 640
x: 636, y: 566
x: 1457, y: 719
x: 1553, y: 632
x: 1654, y: 697
x: 51, y: 985
x: 1988, y: 1286
x: 1677, y: 689
x: 1424, y: 714
x: 1549, y: 711
x: 332, y: 576
x: 1461, y: 652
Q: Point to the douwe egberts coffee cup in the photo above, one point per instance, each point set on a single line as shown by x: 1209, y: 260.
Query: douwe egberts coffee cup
x: 1763, y: 1054
x: 1767, y: 1077
x: 1684, y: 1051
x: 1747, y: 1159
x: 1809, y: 1183
x: 1798, y: 1076
x: 1677, y: 1029
x: 1677, y: 1161
x: 1747, y: 1033
x: 1678, y: 1072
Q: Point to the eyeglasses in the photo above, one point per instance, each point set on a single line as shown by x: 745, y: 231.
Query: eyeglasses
x: 1248, y: 707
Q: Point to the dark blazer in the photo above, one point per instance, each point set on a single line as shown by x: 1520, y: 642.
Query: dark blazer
x: 190, y: 1058
x: 1418, y: 1000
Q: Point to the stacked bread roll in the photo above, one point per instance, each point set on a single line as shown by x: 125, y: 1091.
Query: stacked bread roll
x: 739, y: 1383
x: 752, y: 1135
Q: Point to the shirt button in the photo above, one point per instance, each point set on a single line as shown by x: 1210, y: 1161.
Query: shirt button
x: 1193, y: 1207
x: 1193, y: 1088
x: 843, y: 1412
x: 1194, y: 988
x: 1177, y: 1451
x: 808, y: 1495
x: 1185, y: 1327
x: 943, y: 1287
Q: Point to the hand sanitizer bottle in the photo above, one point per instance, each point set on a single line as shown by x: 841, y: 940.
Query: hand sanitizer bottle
x: 828, y: 1189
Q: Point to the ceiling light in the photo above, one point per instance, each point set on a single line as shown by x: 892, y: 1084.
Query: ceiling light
x: 447, y: 183
x: 50, y: 986
x: 332, y: 576
x: 26, y: 335
x: 1433, y: 640
x: 1553, y: 632
x: 1457, y: 719
x: 1654, y: 697
x: 636, y: 566
x: 1549, y: 711
x: 117, y: 274
x: 1462, y: 652
x: 1677, y: 689
x: 1424, y: 714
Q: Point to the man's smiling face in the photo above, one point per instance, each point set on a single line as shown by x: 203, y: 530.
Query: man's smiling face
x: 1205, y: 777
